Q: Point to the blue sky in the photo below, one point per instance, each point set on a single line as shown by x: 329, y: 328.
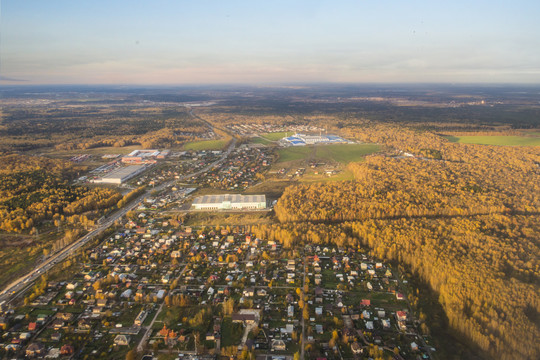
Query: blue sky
x: 259, y: 42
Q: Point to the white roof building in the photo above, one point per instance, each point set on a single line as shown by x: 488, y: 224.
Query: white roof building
x: 121, y: 175
x: 229, y: 202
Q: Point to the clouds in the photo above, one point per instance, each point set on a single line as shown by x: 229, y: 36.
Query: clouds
x: 9, y: 79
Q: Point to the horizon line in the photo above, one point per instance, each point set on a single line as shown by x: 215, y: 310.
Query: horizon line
x: 268, y: 84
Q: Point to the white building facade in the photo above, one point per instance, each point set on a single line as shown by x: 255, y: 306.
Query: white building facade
x: 230, y: 202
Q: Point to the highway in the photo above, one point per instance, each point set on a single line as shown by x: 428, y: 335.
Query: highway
x: 18, y: 286
x: 22, y: 284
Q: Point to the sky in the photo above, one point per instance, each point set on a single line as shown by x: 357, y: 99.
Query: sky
x: 188, y: 42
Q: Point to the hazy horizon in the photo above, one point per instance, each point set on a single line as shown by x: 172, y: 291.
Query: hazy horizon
x: 177, y: 43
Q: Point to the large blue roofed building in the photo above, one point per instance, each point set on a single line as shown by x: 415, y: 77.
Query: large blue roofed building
x: 301, y: 139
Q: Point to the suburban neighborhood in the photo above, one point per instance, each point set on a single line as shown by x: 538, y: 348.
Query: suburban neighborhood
x: 163, y: 288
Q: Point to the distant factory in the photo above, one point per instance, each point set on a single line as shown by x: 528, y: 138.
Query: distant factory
x: 302, y: 140
x: 121, y: 175
x: 229, y: 202
x: 144, y: 156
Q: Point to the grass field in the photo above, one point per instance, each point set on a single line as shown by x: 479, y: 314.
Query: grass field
x: 260, y: 140
x: 272, y: 188
x: 207, y: 145
x: 496, y: 140
x: 342, y: 153
x: 294, y: 153
x: 320, y: 178
x: 276, y: 135
x: 346, y: 153
x: 231, y: 332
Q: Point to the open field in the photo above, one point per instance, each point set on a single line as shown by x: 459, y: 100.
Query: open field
x: 335, y: 157
x: 206, y: 145
x: 294, y: 153
x: 496, y: 140
x: 276, y: 135
x: 272, y: 188
x: 311, y: 177
x: 259, y: 140
x: 342, y: 153
x: 346, y: 153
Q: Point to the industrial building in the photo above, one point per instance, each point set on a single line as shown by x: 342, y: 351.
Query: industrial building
x: 121, y: 175
x: 145, y: 156
x: 302, y: 139
x: 229, y: 202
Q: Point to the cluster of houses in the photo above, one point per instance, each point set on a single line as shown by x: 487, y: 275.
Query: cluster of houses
x: 257, y: 129
x: 179, y: 163
x: 243, y: 168
x: 168, y: 288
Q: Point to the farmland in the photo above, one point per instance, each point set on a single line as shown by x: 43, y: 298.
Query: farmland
x: 497, y: 140
x: 206, y: 145
x: 340, y: 153
x: 275, y: 136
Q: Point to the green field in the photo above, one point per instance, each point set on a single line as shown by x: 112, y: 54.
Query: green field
x: 346, y: 153
x: 496, y: 140
x: 342, y: 153
x: 276, y: 135
x: 231, y: 333
x: 206, y: 145
x: 294, y: 153
x: 260, y: 140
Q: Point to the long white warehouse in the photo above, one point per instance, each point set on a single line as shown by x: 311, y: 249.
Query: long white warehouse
x: 121, y: 175
x: 229, y: 202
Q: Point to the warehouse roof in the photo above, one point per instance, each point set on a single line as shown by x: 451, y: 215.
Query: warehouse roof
x: 233, y: 198
x: 123, y: 172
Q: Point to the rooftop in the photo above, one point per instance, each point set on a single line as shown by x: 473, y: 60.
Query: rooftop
x: 124, y: 171
x: 233, y: 198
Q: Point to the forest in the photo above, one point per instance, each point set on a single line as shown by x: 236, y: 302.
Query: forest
x: 41, y: 211
x: 466, y: 223
x: 35, y: 189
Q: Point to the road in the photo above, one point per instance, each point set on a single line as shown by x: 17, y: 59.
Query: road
x: 148, y: 332
x: 19, y: 286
